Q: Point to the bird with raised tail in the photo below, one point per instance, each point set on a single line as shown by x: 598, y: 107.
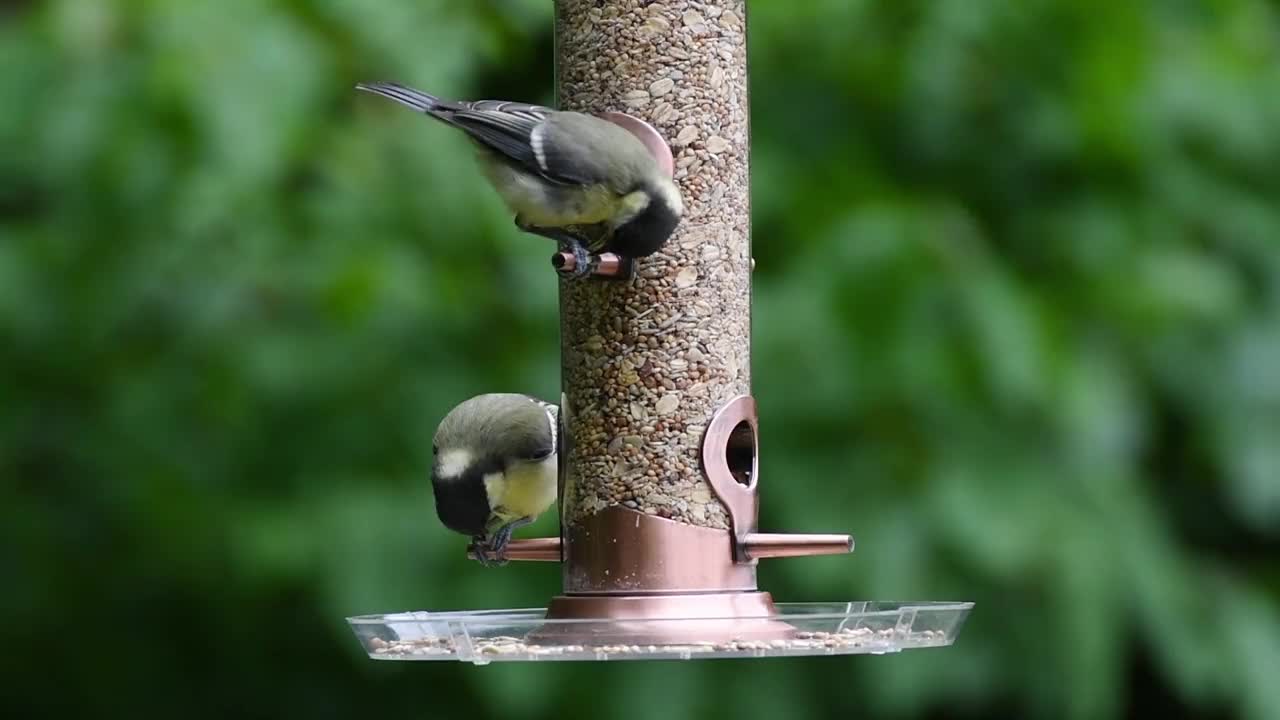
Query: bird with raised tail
x: 581, y: 180
x: 495, y: 468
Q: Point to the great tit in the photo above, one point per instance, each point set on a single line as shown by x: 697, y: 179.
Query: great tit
x: 495, y: 468
x: 581, y: 180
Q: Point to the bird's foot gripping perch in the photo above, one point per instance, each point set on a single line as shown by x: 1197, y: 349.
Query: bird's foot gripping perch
x: 610, y: 266
x: 488, y: 553
x: 575, y: 261
x: 578, y: 263
x: 491, y: 549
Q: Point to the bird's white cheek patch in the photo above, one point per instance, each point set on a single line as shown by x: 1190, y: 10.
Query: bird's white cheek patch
x: 454, y: 462
x: 671, y: 197
x: 495, y: 486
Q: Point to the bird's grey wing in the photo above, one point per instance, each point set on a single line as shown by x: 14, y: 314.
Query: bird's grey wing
x: 515, y: 131
x: 591, y: 150
x: 506, y: 133
x: 535, y: 111
x: 518, y: 132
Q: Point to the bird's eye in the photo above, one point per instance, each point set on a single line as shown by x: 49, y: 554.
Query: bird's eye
x: 435, y: 450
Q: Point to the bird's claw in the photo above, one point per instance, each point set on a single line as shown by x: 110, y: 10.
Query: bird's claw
x: 490, y: 553
x: 491, y: 550
x: 583, y: 263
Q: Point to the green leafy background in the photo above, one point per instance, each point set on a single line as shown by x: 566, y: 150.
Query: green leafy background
x: 1017, y: 328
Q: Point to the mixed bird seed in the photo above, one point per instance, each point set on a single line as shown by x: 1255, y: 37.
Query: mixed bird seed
x: 809, y: 643
x: 648, y: 361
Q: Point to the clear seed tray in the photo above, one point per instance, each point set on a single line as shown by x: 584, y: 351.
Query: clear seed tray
x: 797, y: 629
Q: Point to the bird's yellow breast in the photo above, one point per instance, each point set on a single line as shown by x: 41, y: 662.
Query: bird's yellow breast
x: 524, y: 490
x: 545, y: 205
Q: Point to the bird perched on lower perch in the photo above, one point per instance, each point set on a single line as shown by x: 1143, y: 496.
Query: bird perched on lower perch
x: 495, y: 468
x: 586, y: 182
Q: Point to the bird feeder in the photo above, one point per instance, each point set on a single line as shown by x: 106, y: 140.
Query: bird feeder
x: 659, y: 487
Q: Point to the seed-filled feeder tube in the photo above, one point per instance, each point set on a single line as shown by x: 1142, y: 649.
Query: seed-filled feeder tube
x: 659, y: 486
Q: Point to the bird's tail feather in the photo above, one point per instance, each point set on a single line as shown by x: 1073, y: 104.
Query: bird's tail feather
x: 420, y: 101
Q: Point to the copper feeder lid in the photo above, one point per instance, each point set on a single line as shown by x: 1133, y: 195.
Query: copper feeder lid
x: 648, y: 136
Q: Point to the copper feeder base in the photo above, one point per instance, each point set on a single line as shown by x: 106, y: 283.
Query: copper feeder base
x: 688, y: 619
x: 653, y: 581
x: 647, y: 580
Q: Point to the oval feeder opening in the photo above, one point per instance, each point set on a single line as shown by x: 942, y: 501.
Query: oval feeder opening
x: 740, y: 453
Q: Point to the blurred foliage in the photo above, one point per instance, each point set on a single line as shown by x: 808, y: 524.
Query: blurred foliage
x: 1017, y: 328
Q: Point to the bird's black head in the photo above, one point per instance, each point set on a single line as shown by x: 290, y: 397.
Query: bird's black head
x: 462, y: 503
x: 472, y: 448
x: 646, y: 232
